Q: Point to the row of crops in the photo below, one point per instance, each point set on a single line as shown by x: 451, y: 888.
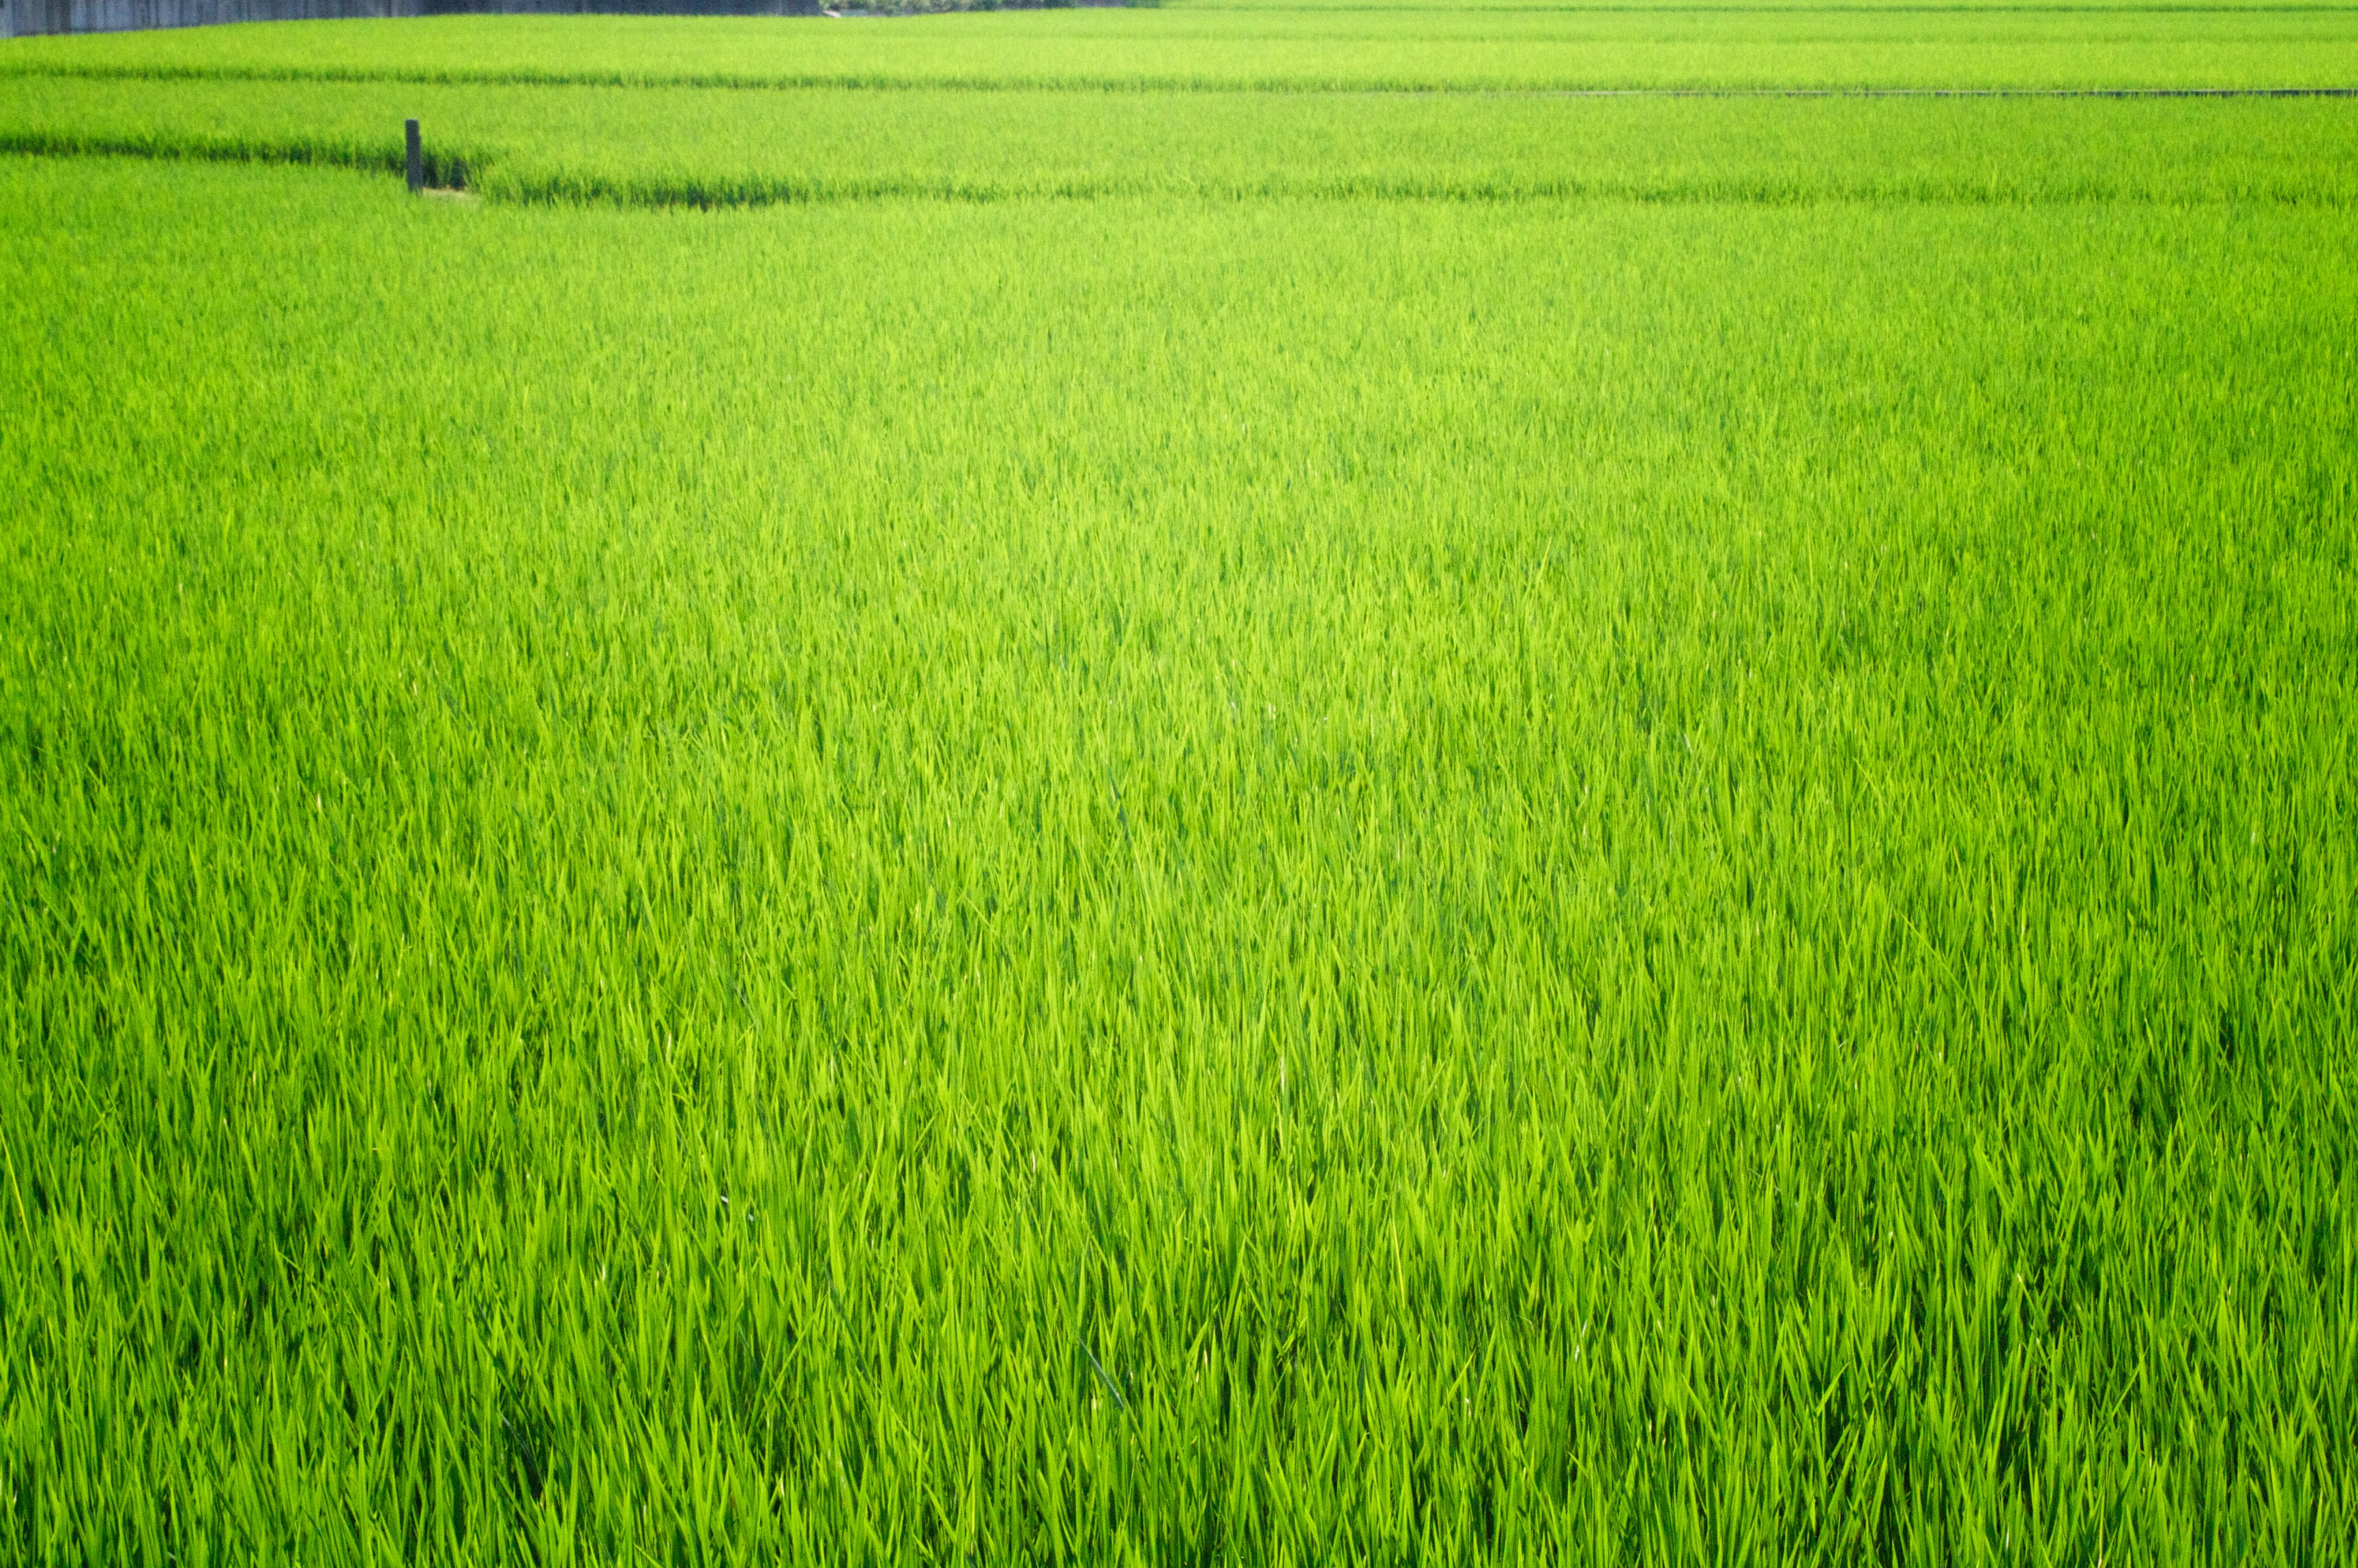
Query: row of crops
x: 705, y: 147
x: 1400, y: 47
x: 987, y: 821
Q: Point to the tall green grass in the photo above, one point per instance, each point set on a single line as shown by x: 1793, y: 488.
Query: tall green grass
x: 1158, y: 880
x: 1438, y: 49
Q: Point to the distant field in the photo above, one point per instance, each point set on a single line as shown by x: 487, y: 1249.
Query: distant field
x: 1438, y: 48
x: 1174, y: 826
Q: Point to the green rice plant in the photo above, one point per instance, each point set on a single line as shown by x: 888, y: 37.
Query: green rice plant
x: 1153, y: 880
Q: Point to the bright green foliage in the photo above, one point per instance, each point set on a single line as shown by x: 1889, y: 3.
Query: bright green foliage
x: 1187, y: 48
x: 1160, y: 879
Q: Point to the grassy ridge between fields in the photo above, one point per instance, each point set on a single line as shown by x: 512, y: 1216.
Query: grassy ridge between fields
x: 719, y: 147
x: 1422, y: 50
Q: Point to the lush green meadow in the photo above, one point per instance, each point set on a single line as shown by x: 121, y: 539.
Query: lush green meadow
x: 1173, y: 826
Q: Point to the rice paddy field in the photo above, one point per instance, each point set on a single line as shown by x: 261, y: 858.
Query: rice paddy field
x: 1263, y: 785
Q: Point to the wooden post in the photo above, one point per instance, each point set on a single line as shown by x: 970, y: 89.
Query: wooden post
x: 416, y: 160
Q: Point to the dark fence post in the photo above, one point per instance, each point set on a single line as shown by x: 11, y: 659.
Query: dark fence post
x: 416, y: 160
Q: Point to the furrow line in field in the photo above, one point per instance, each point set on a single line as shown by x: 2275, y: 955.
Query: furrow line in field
x: 1704, y: 192
x: 726, y: 81
x: 44, y: 144
x: 570, y: 188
